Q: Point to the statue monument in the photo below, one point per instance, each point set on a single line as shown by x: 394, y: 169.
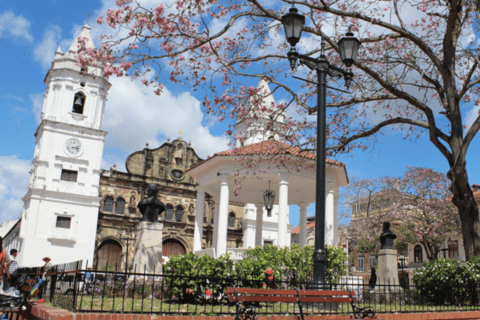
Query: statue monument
x: 387, y: 263
x: 149, y: 234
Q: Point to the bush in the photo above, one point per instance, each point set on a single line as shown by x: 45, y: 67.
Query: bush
x: 189, y: 276
x: 445, y: 281
x: 193, y: 278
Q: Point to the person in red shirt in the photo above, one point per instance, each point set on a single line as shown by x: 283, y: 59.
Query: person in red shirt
x: 3, y: 264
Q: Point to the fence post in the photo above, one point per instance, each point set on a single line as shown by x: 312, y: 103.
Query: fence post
x: 53, y: 283
x: 75, y: 284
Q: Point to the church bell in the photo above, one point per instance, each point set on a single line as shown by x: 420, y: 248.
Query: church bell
x: 78, y: 105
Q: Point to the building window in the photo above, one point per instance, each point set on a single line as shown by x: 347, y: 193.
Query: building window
x: 372, y: 260
x: 63, y: 222
x: 360, y: 262
x: 453, y: 249
x: 179, y: 214
x: 69, y: 175
x: 120, y: 206
x: 78, y: 103
x: 169, y: 212
x: 418, y: 254
x: 267, y: 243
x: 108, y: 204
x: 231, y: 220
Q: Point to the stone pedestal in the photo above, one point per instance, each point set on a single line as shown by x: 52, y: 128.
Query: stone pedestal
x: 148, y: 248
x: 387, y: 271
x: 387, y: 288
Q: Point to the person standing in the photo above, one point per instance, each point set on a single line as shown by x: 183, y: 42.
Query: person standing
x: 3, y: 265
x: 13, y: 268
x: 88, y: 281
x: 45, y: 269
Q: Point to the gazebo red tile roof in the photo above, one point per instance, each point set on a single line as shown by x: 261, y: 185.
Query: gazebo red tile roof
x: 273, y: 147
x: 270, y: 147
x: 297, y: 229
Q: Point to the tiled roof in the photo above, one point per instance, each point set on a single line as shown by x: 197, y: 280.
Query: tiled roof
x: 273, y: 147
x: 297, y: 229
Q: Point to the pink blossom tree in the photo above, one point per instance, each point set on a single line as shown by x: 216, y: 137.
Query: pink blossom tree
x: 418, y: 205
x: 417, y: 71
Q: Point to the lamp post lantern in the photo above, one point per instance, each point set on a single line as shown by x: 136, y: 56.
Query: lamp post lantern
x: 293, y: 23
x: 268, y: 198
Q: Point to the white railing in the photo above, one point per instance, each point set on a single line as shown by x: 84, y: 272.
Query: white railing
x: 236, y: 253
x: 209, y: 252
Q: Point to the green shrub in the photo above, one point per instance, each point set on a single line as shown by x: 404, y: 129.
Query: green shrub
x: 335, y: 266
x: 445, y: 281
x: 190, y: 276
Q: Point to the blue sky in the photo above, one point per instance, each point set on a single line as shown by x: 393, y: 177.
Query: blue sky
x: 31, y: 31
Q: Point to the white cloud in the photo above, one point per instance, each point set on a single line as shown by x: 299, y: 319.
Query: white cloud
x: 44, y: 52
x: 14, y: 178
x: 135, y: 115
x: 15, y: 26
x: 37, y: 106
x: 470, y: 117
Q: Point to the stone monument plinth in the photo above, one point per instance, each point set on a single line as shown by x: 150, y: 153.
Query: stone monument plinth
x: 148, y: 249
x: 149, y: 234
x: 387, y: 267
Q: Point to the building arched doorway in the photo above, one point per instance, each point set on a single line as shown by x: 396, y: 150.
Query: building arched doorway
x: 173, y: 247
x: 109, y: 255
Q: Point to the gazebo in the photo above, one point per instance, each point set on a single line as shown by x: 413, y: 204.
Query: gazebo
x: 215, y: 176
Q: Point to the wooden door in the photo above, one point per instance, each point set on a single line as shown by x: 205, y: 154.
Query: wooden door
x: 110, y: 252
x: 173, y: 247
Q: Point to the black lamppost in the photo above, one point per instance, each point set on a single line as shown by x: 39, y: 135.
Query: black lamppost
x: 126, y: 238
x: 293, y: 23
x: 268, y: 197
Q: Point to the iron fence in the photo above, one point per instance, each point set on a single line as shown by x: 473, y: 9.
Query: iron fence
x: 120, y: 292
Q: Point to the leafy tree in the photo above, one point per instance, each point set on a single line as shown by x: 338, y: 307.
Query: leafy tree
x: 418, y: 70
x: 418, y: 205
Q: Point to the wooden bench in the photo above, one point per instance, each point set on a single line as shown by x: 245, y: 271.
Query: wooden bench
x: 246, y: 298
x: 13, y: 304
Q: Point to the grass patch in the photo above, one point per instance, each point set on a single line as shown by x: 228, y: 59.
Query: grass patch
x: 153, y: 305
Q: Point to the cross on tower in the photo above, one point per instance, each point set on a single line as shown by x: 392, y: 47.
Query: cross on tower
x: 180, y: 133
x: 88, y: 16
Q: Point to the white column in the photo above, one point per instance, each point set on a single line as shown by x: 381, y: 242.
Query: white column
x: 282, y: 212
x: 259, y: 225
x: 222, y: 220
x: 303, y: 224
x: 198, y: 231
x: 215, y: 222
x: 335, y: 220
x: 329, y: 217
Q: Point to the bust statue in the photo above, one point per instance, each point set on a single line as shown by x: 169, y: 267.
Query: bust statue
x: 151, y: 207
x: 387, y: 237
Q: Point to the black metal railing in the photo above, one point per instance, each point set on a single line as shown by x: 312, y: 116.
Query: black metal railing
x: 137, y: 292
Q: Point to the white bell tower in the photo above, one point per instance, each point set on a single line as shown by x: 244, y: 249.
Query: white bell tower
x: 254, y: 130
x: 61, y: 206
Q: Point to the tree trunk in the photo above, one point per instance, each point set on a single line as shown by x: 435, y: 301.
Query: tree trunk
x: 467, y: 209
x: 430, y: 249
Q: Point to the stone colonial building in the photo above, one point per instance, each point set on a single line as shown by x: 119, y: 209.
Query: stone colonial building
x: 121, y: 191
